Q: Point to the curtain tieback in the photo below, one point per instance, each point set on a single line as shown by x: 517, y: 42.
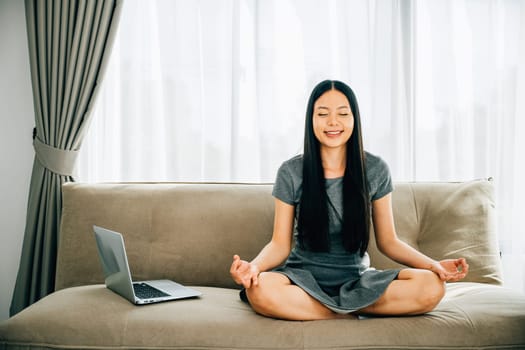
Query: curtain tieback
x: 59, y: 161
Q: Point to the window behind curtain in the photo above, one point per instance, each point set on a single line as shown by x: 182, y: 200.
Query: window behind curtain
x: 216, y: 91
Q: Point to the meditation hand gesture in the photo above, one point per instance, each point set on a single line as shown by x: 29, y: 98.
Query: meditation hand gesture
x: 450, y: 270
x: 244, y: 273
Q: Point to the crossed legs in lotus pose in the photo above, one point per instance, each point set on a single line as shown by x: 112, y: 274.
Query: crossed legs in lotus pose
x: 413, y: 292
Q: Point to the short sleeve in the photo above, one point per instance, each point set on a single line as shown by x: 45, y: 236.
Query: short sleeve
x: 379, y: 178
x: 283, y: 188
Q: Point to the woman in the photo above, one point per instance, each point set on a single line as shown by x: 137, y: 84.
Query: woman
x: 333, y: 190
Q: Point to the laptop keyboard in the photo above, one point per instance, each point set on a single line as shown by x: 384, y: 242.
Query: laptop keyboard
x: 145, y: 291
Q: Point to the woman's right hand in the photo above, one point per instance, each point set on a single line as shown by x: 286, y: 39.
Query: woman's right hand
x: 244, y: 273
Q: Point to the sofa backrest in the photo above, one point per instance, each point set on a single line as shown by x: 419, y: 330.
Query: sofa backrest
x: 189, y: 232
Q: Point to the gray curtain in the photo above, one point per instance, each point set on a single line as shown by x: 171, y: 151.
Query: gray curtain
x: 69, y: 45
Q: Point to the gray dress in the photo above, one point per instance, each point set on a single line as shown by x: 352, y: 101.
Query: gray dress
x: 342, y: 281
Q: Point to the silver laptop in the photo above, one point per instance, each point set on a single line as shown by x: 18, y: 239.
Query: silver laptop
x: 118, y: 277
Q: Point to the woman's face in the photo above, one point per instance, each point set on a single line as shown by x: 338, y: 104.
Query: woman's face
x: 333, y: 121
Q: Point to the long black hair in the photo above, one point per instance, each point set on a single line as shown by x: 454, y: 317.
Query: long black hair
x: 312, y: 225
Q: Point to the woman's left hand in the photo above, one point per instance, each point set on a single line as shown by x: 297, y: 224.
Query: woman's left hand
x: 450, y: 270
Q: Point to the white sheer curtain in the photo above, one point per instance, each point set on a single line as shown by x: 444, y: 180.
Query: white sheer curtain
x: 215, y: 90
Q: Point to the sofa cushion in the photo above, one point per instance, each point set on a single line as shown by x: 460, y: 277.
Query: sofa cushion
x: 184, y: 232
x: 471, y: 316
x: 448, y: 220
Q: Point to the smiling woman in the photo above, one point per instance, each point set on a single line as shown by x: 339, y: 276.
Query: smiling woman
x: 215, y: 90
x: 326, y: 273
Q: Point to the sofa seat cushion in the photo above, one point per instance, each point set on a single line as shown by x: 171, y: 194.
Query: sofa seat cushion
x: 471, y: 316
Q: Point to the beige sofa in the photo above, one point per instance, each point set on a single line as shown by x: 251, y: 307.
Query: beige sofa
x: 189, y: 232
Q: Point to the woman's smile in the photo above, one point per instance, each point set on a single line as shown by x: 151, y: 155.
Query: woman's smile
x: 334, y: 134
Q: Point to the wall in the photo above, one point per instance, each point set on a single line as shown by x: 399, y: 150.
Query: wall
x: 16, y: 151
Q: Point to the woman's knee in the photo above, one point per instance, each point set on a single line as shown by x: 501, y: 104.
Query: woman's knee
x: 263, y: 297
x: 430, y: 290
x: 260, y: 299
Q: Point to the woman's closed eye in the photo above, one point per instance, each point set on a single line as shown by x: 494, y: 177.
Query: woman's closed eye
x: 326, y: 114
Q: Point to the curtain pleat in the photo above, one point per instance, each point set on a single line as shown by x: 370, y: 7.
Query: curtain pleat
x: 69, y: 44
